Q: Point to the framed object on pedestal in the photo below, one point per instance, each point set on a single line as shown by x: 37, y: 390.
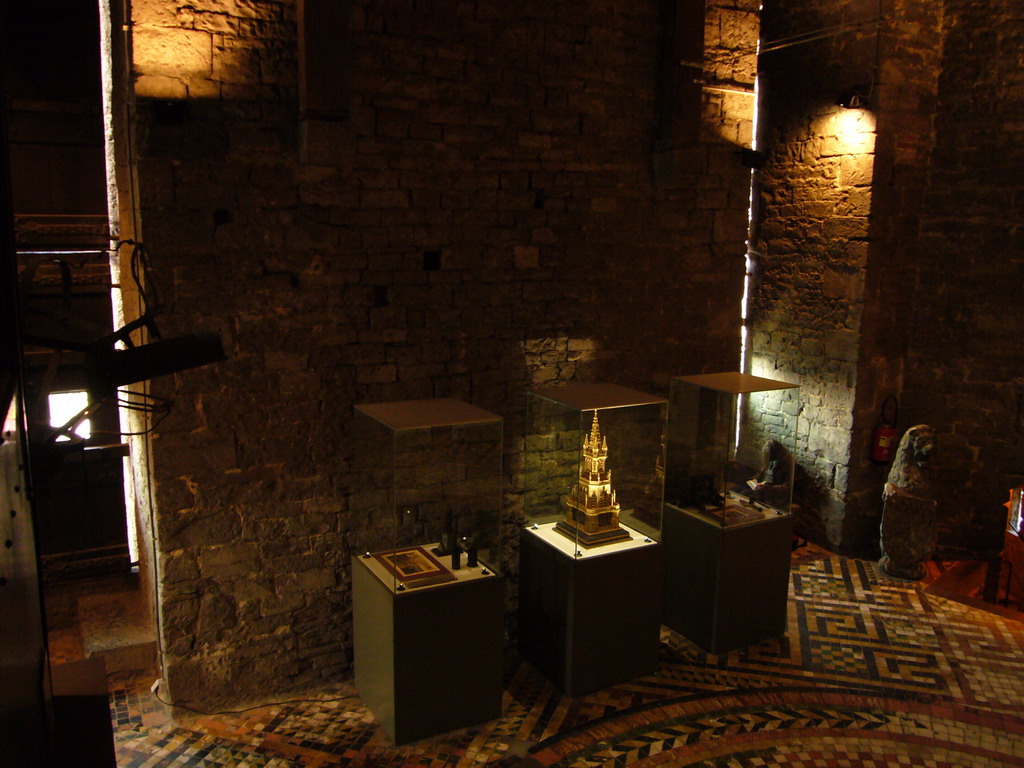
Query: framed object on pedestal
x: 727, y: 529
x: 427, y: 597
x: 590, y: 558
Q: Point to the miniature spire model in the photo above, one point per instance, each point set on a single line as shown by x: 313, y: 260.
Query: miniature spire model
x: 592, y: 514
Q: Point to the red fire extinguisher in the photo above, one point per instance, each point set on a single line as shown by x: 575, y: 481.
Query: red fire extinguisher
x: 883, y: 441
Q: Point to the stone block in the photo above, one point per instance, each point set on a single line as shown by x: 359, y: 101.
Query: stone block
x: 309, y: 236
x: 326, y: 143
x: 215, y: 23
x: 526, y: 256
x: 248, y: 590
x: 160, y: 87
x: 155, y: 13
x: 282, y: 604
x: 856, y: 170
x: 188, y: 528
x: 812, y: 347
x: 172, y: 51
x: 179, y: 616
x: 282, y: 360
x: 845, y: 227
x: 843, y: 284
x: 843, y: 345
x: 216, y: 612
x: 377, y: 374
x: 858, y: 201
x: 829, y: 442
x: 179, y: 566
x: 315, y: 581
x: 229, y: 561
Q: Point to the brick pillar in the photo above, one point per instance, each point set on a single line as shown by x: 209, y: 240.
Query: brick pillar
x: 885, y: 268
x: 814, y: 239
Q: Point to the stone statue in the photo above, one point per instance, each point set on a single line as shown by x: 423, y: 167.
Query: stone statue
x: 909, y: 504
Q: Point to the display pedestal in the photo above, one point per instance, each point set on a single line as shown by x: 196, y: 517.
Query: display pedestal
x: 428, y: 660
x: 725, y: 586
x: 589, y: 622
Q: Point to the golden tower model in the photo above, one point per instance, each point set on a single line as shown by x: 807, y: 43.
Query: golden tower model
x: 592, y: 513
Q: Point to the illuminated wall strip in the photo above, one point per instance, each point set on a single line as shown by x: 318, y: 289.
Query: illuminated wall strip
x: 741, y: 400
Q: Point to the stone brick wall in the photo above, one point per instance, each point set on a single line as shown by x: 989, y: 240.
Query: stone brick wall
x: 483, y: 219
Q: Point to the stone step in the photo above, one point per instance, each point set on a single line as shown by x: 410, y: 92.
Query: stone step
x: 118, y: 627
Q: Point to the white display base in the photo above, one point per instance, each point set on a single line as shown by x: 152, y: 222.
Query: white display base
x: 463, y: 574
x: 546, y: 532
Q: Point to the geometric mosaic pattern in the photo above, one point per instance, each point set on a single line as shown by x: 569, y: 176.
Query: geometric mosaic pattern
x: 793, y: 727
x: 872, y: 673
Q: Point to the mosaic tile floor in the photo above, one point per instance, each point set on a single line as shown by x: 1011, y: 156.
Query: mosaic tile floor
x: 873, y: 673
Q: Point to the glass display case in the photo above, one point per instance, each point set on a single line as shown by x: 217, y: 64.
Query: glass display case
x: 1015, y: 511
x: 594, y: 468
x: 426, y: 597
x: 427, y: 491
x: 730, y: 446
x: 594, y: 476
x: 727, y: 527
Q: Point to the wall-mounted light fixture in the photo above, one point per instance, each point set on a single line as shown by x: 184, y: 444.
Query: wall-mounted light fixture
x: 853, y: 98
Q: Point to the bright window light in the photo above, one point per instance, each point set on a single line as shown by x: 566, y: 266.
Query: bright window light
x: 64, y: 406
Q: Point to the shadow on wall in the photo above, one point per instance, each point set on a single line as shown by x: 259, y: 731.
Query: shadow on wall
x: 822, y: 519
x: 952, y: 477
x: 811, y: 503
